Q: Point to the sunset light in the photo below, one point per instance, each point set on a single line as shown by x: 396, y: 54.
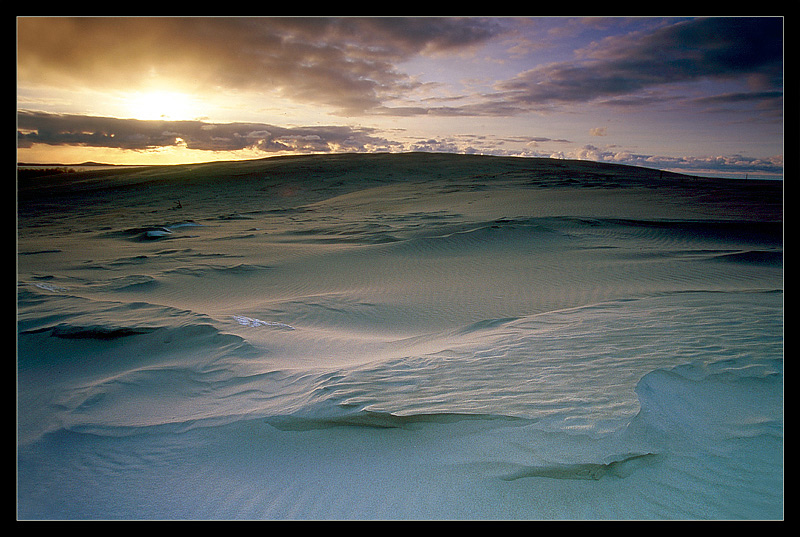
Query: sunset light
x: 656, y: 91
x: 162, y: 105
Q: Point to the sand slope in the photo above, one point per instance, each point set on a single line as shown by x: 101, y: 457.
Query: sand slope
x: 399, y: 336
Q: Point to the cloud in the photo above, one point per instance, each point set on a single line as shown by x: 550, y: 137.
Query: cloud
x: 434, y: 145
x: 716, y: 48
x: 350, y: 64
x: 347, y: 63
x: 768, y: 103
x: 598, y: 131
x: 635, y: 69
x: 139, y: 135
x: 731, y: 164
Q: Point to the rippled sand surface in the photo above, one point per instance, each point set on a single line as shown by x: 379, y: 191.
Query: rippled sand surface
x: 413, y: 336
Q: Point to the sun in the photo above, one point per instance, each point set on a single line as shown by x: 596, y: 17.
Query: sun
x: 169, y: 105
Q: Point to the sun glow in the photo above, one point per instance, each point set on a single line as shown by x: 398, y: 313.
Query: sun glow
x: 162, y: 105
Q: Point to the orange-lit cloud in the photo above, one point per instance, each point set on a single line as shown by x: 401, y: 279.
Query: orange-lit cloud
x: 347, y: 63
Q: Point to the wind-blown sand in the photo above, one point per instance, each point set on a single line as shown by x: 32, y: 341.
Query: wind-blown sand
x: 413, y: 336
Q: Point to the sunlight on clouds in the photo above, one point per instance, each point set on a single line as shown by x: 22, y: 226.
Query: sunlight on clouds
x: 177, y: 154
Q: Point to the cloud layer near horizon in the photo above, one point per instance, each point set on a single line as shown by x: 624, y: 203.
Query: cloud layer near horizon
x: 143, y: 135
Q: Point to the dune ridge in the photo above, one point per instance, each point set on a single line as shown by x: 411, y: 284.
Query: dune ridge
x: 409, y: 336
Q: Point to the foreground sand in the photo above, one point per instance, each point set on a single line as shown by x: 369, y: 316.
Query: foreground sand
x: 399, y: 336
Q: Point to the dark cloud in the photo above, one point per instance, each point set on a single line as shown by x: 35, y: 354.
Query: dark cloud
x: 631, y: 70
x: 743, y: 97
x: 716, y: 48
x: 395, y: 37
x: 768, y: 103
x: 131, y: 134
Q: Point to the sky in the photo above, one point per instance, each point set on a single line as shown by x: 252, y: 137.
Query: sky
x: 702, y: 96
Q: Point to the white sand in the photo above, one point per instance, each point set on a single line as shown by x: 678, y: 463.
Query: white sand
x: 399, y: 336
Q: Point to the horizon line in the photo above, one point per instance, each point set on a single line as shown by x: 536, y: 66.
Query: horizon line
x: 701, y: 173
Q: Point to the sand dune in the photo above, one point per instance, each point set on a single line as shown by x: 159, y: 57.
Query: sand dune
x: 399, y: 336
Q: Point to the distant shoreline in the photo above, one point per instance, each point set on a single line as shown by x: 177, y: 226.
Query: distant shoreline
x: 82, y: 165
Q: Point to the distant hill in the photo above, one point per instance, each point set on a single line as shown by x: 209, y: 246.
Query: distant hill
x: 324, y: 176
x: 58, y: 165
